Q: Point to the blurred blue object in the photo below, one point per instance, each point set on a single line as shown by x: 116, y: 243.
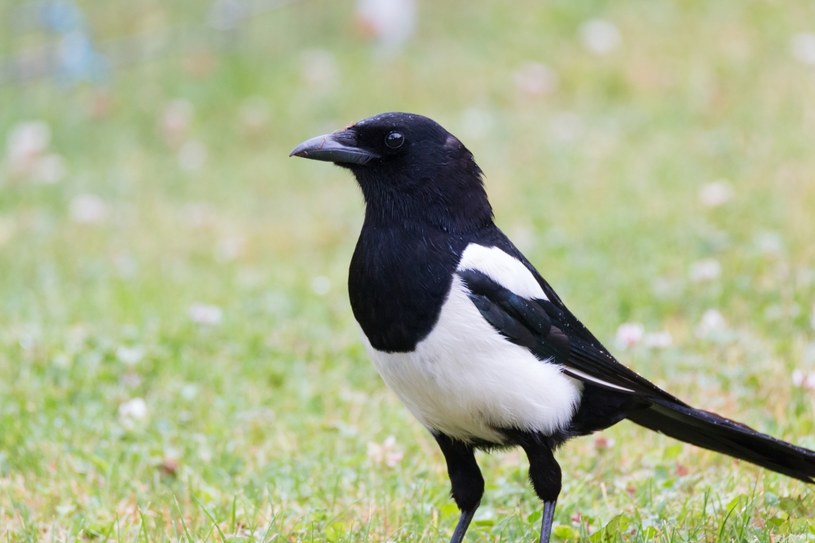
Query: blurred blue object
x: 61, y: 16
x: 79, y: 61
x: 76, y: 57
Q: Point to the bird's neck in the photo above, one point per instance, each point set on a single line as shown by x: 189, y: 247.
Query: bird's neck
x: 400, y: 275
x: 426, y: 208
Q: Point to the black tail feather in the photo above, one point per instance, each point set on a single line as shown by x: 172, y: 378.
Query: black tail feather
x: 711, y: 431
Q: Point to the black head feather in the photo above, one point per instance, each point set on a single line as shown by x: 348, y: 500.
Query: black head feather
x: 410, y: 169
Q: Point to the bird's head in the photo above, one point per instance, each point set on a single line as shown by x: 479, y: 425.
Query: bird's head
x: 408, y: 166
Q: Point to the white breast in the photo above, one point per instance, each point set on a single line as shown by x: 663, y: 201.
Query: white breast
x: 466, y: 380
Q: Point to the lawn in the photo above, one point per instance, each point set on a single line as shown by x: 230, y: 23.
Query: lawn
x: 178, y: 360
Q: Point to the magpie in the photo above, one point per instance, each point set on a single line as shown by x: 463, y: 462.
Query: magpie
x: 473, y: 340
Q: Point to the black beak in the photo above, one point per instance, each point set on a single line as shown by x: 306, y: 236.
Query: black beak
x: 339, y: 147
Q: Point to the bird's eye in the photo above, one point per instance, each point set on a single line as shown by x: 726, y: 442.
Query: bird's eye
x: 394, y: 140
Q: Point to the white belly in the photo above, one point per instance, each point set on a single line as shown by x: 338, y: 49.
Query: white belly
x: 466, y: 380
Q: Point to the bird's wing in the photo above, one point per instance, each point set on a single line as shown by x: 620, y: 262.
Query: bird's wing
x: 552, y: 333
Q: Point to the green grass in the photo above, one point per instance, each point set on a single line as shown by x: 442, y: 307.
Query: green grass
x: 258, y: 427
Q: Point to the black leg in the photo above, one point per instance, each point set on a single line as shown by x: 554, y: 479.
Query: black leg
x: 462, y: 525
x: 545, y: 475
x: 465, y: 479
x: 548, y: 519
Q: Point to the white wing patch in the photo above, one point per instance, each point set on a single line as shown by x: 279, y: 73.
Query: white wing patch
x: 511, y: 273
x: 502, y: 268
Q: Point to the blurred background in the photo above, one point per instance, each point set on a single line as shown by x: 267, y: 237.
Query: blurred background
x: 177, y: 355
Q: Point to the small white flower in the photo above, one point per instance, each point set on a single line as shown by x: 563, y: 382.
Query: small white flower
x: 802, y: 47
x: 189, y: 391
x: 803, y: 379
x: 715, y: 194
x: 708, y: 269
x: 599, y: 36
x: 712, y: 322
x: 62, y: 360
x: 602, y: 442
x: 132, y: 411
x: 658, y: 340
x: 321, y: 285
x: 809, y: 349
x: 535, y: 79
x: 769, y: 243
x: 629, y: 334
x: 390, y: 22
x: 192, y: 156
x: 27, y: 140
x: 387, y: 452
x: 175, y: 121
x: 88, y: 209
x: 206, y: 315
x: 131, y: 379
x: 27, y: 153
x: 129, y: 356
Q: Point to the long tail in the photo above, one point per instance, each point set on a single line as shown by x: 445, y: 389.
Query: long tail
x: 719, y: 434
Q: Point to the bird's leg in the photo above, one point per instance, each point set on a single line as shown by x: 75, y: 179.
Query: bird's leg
x: 547, y: 521
x: 462, y: 525
x: 465, y: 479
x: 544, y: 472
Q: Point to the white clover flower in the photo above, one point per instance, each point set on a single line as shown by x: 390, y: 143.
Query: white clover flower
x: 320, y: 285
x: 390, y: 22
x: 715, y: 194
x: 27, y: 153
x: 707, y: 269
x: 802, y: 47
x: 630, y: 334
x: 803, y: 379
x: 658, y: 340
x: 599, y: 36
x: 129, y: 356
x: 175, y: 121
x: 712, y: 321
x: 205, y: 314
x: 132, y: 412
x: 88, y: 209
x: 27, y: 140
x: 535, y: 79
x: 387, y: 453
